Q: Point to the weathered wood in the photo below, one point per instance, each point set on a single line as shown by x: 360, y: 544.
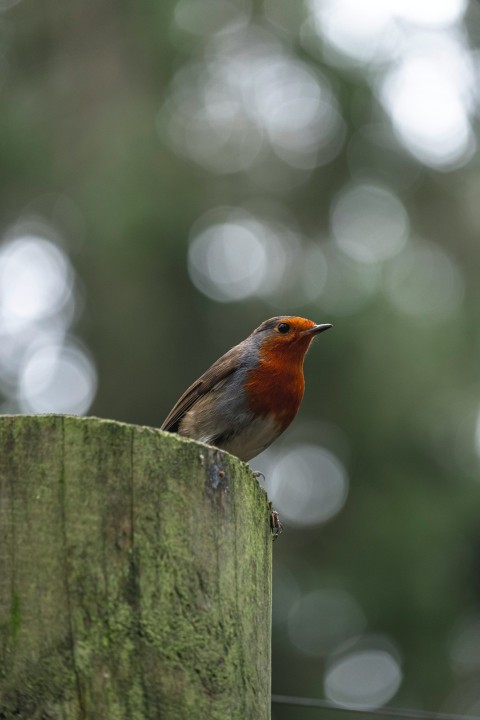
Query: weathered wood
x: 135, y: 576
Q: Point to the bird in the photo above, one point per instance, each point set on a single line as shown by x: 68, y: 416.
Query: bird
x: 250, y: 395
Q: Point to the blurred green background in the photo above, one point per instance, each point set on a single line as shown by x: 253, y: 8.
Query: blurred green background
x: 172, y: 174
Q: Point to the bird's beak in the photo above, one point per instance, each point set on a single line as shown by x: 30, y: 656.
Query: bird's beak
x: 316, y: 329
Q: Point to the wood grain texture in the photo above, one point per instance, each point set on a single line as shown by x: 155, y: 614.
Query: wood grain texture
x: 135, y: 575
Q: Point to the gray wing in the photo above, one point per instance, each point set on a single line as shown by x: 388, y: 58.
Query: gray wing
x: 213, y: 377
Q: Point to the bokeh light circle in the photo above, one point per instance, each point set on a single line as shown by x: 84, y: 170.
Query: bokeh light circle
x: 58, y: 378
x: 35, y: 280
x: 234, y: 255
x: 369, y: 223
x: 321, y: 619
x: 363, y: 678
x: 308, y: 485
x: 429, y: 96
x: 42, y: 367
x: 247, y: 100
x: 227, y: 262
x: 363, y: 31
x: 429, y: 14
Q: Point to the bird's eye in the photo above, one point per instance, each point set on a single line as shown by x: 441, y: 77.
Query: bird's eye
x: 283, y: 328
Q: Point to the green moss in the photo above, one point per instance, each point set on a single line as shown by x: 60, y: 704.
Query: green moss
x: 15, y: 615
x: 145, y: 558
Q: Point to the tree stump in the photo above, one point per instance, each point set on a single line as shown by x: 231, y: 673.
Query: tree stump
x: 135, y: 575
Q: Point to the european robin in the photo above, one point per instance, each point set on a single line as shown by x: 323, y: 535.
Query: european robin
x: 250, y: 395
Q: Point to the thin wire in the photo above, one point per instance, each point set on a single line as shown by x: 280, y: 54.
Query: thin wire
x: 380, y: 712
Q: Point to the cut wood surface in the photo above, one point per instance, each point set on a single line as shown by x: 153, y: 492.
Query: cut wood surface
x: 135, y: 575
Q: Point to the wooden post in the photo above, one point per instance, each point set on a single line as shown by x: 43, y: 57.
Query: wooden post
x: 135, y: 576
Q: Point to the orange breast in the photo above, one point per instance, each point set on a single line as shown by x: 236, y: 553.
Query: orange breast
x: 276, y: 385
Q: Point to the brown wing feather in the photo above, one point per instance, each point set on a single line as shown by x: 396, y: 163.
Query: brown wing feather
x: 221, y: 369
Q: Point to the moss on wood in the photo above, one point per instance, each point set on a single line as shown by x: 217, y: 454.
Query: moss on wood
x: 135, y: 575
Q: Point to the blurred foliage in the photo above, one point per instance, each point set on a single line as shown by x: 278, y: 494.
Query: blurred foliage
x: 124, y: 125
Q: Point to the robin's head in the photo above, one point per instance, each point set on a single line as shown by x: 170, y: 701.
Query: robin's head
x: 287, y: 335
